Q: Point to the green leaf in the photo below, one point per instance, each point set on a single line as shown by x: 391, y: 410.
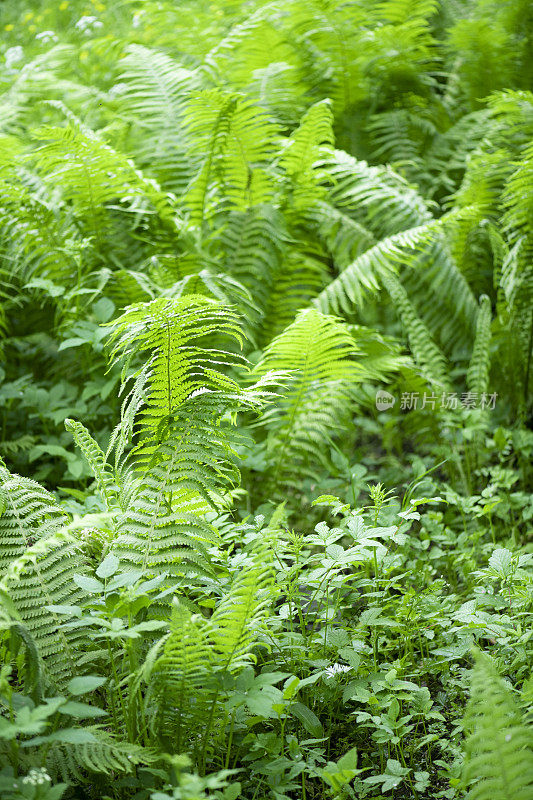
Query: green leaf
x: 75, y: 341
x: 501, y: 562
x: 348, y: 760
x: 104, y: 309
x: 108, y: 566
x: 89, y: 584
x: 308, y: 718
x: 81, y: 710
x: 85, y: 684
x: 65, y: 736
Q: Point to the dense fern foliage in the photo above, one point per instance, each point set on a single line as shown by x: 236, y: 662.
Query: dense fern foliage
x: 266, y: 399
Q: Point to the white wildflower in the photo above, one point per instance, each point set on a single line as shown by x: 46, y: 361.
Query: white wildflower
x: 13, y: 55
x: 46, y: 36
x: 336, y: 669
x: 86, y: 24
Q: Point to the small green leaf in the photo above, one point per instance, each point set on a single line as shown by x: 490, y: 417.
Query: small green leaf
x: 87, y: 583
x: 308, y: 718
x: 81, y: 710
x: 85, y: 684
x: 108, y: 566
x: 348, y: 760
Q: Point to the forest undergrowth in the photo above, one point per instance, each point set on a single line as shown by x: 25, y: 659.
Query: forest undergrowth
x: 266, y: 418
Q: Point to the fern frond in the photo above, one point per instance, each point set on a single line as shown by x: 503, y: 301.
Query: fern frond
x: 93, y: 177
x: 236, y: 141
x: 104, y: 754
x: 37, y: 563
x: 255, y: 244
x: 181, y: 680
x: 154, y: 93
x: 477, y: 376
x: 169, y: 334
x: 236, y: 621
x: 499, y: 753
x: 378, y: 196
x: 105, y: 480
x: 366, y: 273
x: 426, y: 353
x: 301, y: 154
x: 321, y: 352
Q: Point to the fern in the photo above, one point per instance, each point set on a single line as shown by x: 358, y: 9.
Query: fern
x: 154, y: 93
x: 181, y: 680
x: 425, y: 351
x: 499, y: 754
x: 477, y: 376
x: 166, y: 332
x: 100, y: 753
x: 37, y: 564
x: 302, y: 153
x: 235, y: 140
x: 96, y: 459
x: 321, y: 351
x: 184, y: 681
x: 94, y: 177
x: 236, y: 622
x: 184, y: 461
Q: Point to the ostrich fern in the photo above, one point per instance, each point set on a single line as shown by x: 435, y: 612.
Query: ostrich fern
x: 322, y: 353
x: 38, y: 560
x: 499, y: 746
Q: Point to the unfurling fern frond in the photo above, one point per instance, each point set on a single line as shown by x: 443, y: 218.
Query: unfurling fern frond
x: 37, y: 562
x: 499, y: 746
x: 477, y: 377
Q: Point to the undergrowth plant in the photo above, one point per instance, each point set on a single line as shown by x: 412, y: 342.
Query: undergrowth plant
x: 266, y: 341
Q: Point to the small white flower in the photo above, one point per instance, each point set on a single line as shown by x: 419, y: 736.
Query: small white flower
x: 13, y: 55
x: 336, y: 669
x: 46, y: 36
x: 85, y: 24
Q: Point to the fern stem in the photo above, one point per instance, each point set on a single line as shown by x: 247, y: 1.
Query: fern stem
x: 528, y: 365
x: 203, y: 755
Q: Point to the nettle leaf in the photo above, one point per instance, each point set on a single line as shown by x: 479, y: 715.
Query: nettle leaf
x: 501, y: 562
